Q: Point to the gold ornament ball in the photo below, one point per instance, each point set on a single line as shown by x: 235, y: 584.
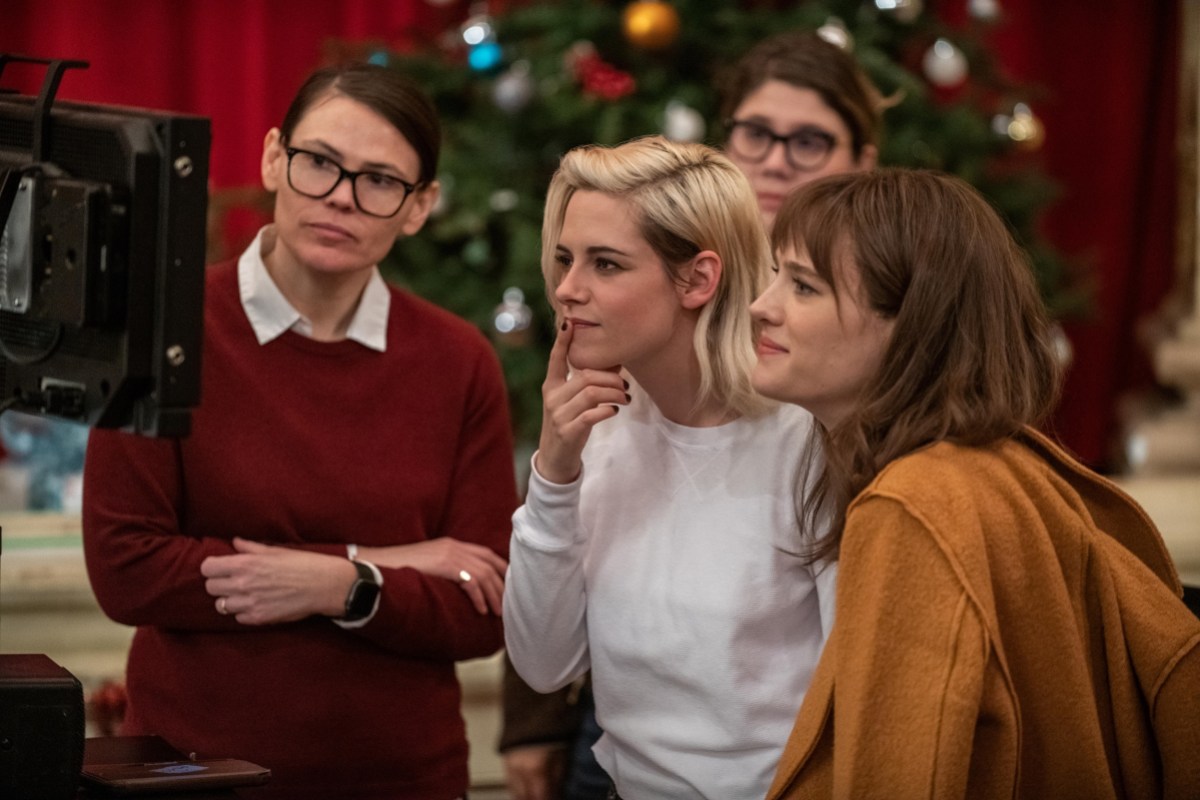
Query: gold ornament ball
x: 651, y: 24
x: 1027, y: 131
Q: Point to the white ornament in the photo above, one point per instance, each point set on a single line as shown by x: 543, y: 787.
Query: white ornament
x: 903, y: 10
x: 945, y: 64
x: 514, y: 89
x: 1064, y: 351
x: 834, y: 31
x: 503, y: 200
x: 512, y: 315
x: 1000, y: 124
x: 986, y: 10
x: 682, y: 123
x: 477, y: 30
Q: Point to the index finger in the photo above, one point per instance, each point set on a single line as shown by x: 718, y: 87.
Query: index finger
x: 217, y: 566
x: 558, y: 367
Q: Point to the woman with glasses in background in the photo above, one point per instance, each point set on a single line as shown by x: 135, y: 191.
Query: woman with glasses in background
x: 305, y: 568
x: 798, y: 108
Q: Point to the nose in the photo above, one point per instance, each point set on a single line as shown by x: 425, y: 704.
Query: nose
x: 342, y: 193
x: 776, y: 158
x: 763, y: 309
x: 570, y: 289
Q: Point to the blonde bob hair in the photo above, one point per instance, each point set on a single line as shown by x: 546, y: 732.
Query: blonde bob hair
x: 686, y: 198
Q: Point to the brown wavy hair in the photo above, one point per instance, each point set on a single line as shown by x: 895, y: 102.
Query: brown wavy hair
x: 970, y: 359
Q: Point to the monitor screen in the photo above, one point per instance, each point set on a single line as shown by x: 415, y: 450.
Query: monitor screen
x: 102, y: 236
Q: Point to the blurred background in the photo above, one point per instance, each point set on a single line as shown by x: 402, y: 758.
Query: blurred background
x: 1065, y: 114
x: 1077, y: 119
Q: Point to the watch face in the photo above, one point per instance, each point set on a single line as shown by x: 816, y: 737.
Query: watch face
x: 361, y: 600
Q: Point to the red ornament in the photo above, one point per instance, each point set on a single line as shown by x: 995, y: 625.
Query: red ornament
x: 598, y: 77
x: 106, y: 707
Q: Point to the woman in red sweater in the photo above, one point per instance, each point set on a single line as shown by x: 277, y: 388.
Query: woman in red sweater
x: 305, y: 568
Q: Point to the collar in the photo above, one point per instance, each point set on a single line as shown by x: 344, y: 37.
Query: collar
x: 271, y: 314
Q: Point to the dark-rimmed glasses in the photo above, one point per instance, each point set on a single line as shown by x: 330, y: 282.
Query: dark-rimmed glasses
x: 316, y: 175
x: 806, y: 149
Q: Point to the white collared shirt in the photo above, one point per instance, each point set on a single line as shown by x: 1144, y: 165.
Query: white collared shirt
x: 271, y: 314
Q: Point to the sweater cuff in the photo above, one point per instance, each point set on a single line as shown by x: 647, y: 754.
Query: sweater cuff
x: 549, y: 519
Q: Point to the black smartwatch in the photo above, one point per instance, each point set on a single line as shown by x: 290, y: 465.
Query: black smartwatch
x: 363, y: 594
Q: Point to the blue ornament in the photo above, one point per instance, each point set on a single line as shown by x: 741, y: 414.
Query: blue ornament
x: 485, y: 56
x: 379, y: 58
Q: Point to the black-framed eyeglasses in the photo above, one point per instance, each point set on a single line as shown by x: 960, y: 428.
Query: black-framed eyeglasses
x: 807, y: 148
x: 316, y: 175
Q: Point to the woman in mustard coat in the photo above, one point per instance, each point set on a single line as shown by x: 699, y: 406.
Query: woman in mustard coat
x: 1008, y: 623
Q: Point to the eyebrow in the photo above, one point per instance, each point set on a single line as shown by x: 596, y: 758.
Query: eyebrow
x: 596, y: 250
x: 804, y: 127
x: 796, y: 266
x: 371, y: 166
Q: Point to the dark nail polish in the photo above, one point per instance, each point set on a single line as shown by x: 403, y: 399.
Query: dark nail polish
x: 626, y: 383
x: 563, y: 327
x: 628, y: 399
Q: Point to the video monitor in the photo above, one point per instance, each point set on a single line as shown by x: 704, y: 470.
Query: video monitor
x: 102, y: 213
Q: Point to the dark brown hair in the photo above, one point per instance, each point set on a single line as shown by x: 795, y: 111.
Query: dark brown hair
x: 970, y: 358
x: 386, y: 92
x: 807, y: 61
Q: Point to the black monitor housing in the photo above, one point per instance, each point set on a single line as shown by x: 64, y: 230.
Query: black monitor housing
x: 102, y: 236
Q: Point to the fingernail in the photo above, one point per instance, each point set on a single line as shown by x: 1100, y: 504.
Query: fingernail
x: 628, y: 399
x: 563, y: 327
x: 626, y: 383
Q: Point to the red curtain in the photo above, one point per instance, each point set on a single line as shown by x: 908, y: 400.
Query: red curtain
x: 1111, y: 74
x: 1109, y: 71
x: 235, y: 61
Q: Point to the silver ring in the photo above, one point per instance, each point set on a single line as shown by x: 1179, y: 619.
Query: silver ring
x: 464, y: 576
x: 221, y: 609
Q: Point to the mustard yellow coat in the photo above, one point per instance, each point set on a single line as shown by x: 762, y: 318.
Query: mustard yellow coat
x: 1008, y: 626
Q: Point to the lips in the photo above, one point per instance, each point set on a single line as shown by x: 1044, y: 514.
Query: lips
x: 766, y: 200
x: 580, y: 324
x: 768, y: 347
x: 329, y: 231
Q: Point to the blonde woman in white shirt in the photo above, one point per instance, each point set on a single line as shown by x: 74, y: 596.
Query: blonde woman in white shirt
x: 657, y: 545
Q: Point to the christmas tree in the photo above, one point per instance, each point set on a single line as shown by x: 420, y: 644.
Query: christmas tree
x: 517, y: 90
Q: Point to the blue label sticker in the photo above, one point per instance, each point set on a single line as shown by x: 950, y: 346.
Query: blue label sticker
x: 181, y: 769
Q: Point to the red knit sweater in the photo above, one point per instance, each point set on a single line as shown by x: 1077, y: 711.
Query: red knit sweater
x: 310, y: 444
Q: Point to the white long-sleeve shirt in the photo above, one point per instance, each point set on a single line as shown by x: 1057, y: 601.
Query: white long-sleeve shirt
x: 667, y: 569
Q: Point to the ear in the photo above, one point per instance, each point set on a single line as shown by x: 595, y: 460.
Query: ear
x: 423, y: 200
x: 868, y: 158
x: 702, y: 276
x: 274, y: 160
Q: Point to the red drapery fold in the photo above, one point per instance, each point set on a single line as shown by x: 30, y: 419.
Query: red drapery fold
x: 1111, y: 73
x: 236, y: 61
x: 1110, y: 76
